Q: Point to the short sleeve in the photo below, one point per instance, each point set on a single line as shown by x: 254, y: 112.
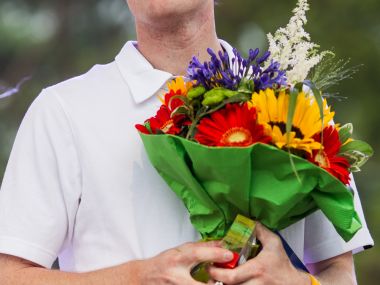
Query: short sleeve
x: 41, y: 188
x: 323, y: 242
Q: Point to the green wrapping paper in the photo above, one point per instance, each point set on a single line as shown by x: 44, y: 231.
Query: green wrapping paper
x: 218, y: 183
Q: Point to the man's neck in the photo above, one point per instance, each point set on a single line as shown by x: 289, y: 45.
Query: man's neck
x: 170, y: 47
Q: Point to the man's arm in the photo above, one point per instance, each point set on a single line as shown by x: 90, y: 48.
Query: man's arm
x: 335, y: 271
x: 170, y: 267
x: 17, y: 271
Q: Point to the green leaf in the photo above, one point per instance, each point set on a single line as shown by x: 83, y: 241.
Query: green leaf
x: 196, y: 92
x: 354, y: 169
x: 217, y: 95
x: 318, y: 97
x: 184, y: 99
x: 357, y: 145
x: 212, y: 99
x: 147, y: 126
x: 294, y: 92
x: 345, y: 132
x: 246, y: 86
x: 289, y: 123
x: 294, y: 168
x: 356, y: 160
x: 330, y: 71
x: 357, y: 153
x: 291, y: 109
x: 180, y: 110
x: 238, y: 98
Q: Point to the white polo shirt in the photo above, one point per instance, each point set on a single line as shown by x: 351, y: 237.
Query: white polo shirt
x: 79, y: 185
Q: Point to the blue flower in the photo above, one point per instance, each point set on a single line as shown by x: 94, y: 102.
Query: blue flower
x: 220, y: 71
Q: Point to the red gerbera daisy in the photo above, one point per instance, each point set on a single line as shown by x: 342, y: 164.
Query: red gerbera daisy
x: 172, y: 104
x: 164, y: 122
x: 142, y: 129
x: 161, y: 123
x: 328, y: 158
x: 235, y: 125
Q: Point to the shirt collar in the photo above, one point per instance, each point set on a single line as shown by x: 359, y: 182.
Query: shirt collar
x: 141, y: 77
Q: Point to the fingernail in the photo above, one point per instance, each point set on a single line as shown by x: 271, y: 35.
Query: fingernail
x: 228, y: 256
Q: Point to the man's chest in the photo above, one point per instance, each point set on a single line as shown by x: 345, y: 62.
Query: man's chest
x: 127, y: 211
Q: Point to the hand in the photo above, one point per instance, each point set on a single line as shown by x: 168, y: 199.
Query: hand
x: 271, y: 267
x: 174, y: 265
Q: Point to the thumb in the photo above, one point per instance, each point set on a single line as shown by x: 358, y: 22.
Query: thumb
x: 266, y: 236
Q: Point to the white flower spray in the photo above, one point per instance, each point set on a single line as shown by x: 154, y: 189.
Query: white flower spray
x: 292, y: 46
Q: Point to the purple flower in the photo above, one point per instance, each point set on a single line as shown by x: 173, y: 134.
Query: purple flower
x: 221, y: 71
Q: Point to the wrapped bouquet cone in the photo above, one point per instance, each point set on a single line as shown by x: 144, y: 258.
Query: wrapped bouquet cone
x: 217, y: 183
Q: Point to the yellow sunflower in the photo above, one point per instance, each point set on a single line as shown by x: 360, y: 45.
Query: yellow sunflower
x: 273, y: 111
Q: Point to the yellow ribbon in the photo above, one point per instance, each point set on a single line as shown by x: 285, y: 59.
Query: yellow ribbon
x: 314, y: 281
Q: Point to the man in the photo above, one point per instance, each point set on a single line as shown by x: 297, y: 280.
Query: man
x: 79, y: 185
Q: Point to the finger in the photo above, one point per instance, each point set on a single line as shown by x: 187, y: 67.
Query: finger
x: 266, y: 237
x: 212, y: 243
x: 190, y: 281
x: 200, y: 283
x: 197, y: 254
x: 240, y: 274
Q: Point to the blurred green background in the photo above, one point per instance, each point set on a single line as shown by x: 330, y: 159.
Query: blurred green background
x: 56, y: 40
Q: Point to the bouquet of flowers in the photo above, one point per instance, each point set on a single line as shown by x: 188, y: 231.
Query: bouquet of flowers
x: 255, y: 136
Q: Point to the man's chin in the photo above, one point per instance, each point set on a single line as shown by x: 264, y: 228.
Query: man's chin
x: 166, y: 11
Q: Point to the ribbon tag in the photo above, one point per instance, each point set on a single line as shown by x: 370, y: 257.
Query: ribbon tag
x: 241, y: 240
